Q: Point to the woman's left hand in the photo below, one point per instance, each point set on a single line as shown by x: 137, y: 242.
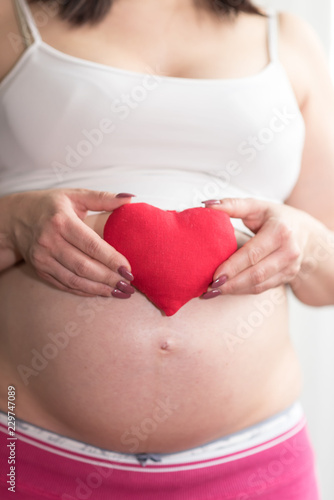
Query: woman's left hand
x: 271, y: 258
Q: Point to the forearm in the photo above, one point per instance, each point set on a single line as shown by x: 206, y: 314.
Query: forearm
x: 9, y: 255
x: 314, y: 284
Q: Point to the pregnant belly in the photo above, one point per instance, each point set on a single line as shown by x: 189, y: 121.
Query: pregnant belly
x: 119, y: 375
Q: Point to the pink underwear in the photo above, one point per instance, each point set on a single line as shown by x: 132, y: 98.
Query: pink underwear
x: 241, y: 466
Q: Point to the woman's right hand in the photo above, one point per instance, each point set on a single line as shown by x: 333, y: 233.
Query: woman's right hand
x: 46, y: 228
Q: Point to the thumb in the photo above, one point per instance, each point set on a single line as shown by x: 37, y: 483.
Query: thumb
x: 242, y: 208
x: 252, y: 212
x: 99, y: 201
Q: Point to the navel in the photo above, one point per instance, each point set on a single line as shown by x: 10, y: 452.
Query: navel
x: 164, y: 346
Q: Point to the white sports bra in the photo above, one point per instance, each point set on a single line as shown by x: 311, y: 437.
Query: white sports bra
x: 70, y: 122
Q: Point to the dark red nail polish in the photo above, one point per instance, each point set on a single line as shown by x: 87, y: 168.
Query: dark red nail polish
x: 211, y: 295
x: 211, y: 202
x: 120, y: 295
x: 219, y: 282
x: 125, y: 287
x: 125, y: 273
x: 125, y: 195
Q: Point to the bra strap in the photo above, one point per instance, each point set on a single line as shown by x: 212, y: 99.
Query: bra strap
x: 273, y: 30
x: 27, y: 21
x: 24, y: 29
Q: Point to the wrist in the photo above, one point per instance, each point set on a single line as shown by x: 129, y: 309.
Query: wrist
x: 9, y: 209
x: 317, y: 248
x: 315, y: 234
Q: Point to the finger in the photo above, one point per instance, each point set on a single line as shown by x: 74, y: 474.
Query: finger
x: 254, y: 251
x: 253, y: 277
x: 72, y: 281
x: 282, y: 278
x: 84, y: 266
x: 99, y: 201
x: 116, y: 292
x: 82, y: 237
x: 65, y: 280
x: 253, y: 211
x: 63, y: 288
x: 241, y: 238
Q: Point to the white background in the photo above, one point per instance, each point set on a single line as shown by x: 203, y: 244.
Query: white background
x: 313, y: 329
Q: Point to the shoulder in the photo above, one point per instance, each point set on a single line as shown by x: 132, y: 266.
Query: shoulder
x: 5, y: 6
x: 301, y: 52
x: 11, y: 43
x: 299, y: 34
x: 7, y: 18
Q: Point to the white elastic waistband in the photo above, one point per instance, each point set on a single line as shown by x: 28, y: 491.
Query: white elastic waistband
x: 264, y: 435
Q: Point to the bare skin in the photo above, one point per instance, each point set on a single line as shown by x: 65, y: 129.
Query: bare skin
x: 216, y: 366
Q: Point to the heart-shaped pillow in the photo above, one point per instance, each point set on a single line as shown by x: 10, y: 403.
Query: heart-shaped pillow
x: 173, y: 255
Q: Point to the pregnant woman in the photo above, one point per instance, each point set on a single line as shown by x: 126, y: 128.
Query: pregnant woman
x: 177, y: 103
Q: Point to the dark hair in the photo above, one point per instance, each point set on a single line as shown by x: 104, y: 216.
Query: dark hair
x: 91, y: 11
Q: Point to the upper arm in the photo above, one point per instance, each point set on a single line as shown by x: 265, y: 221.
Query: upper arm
x: 314, y: 191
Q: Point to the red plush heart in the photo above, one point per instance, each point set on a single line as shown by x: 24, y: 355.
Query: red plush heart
x: 173, y: 255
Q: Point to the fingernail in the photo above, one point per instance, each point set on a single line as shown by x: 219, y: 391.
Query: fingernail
x: 124, y: 195
x: 212, y: 294
x: 211, y: 202
x: 125, y: 287
x: 125, y: 273
x: 120, y: 295
x: 219, y: 282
